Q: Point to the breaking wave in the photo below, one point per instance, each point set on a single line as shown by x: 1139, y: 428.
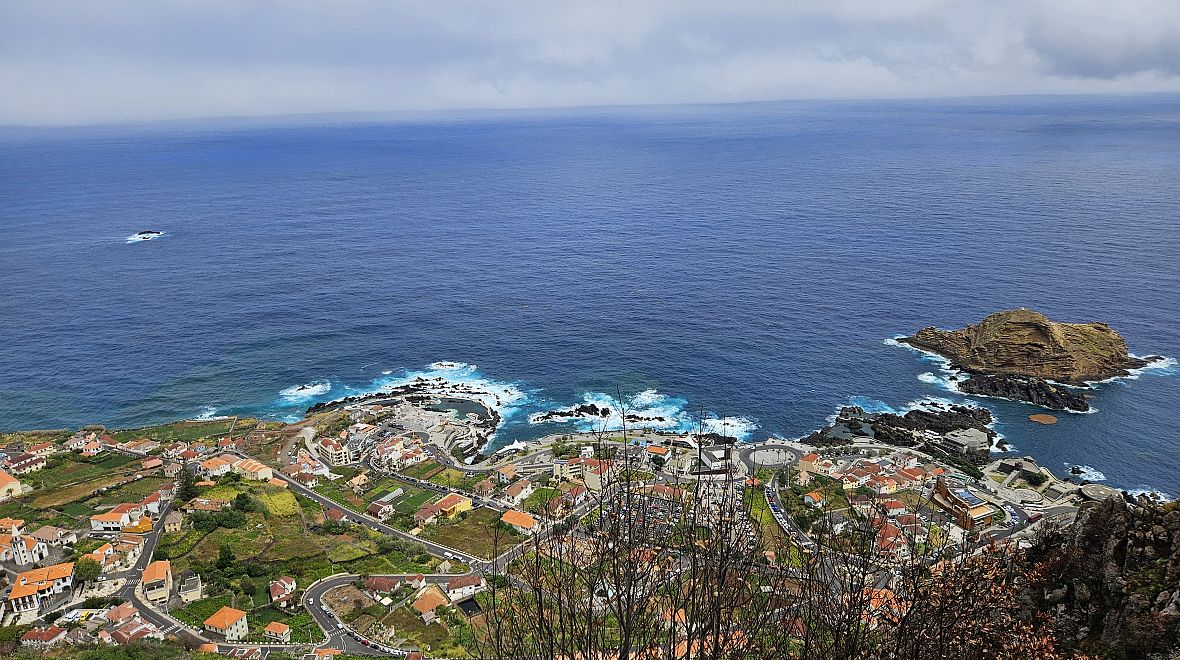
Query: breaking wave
x: 648, y: 409
x: 307, y: 390
x: 1085, y: 472
x: 1152, y: 493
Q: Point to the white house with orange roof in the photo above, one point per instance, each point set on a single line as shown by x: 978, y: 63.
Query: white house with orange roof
x: 157, y: 581
x: 253, y: 470
x: 109, y: 521
x: 228, y: 623
x: 216, y: 466
x: 520, y: 521
x: 31, y: 590
x: 9, y: 486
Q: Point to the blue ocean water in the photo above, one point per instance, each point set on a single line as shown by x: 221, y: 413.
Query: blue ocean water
x: 747, y: 261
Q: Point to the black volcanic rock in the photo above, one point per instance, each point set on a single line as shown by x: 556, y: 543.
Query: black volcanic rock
x: 1033, y: 390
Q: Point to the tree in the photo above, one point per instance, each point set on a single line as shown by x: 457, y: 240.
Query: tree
x: 86, y: 570
x: 243, y: 502
x: 629, y: 585
x: 186, y: 488
x: 225, y: 557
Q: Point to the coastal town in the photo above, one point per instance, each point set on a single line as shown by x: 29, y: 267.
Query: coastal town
x: 374, y: 526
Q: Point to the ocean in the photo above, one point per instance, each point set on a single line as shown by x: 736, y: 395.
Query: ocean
x: 747, y: 263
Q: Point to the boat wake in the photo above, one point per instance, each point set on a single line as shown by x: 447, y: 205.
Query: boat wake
x: 147, y: 235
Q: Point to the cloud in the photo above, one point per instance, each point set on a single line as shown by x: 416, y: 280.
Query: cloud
x: 82, y: 62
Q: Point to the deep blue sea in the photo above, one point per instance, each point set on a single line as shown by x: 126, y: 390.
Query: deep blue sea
x: 748, y: 261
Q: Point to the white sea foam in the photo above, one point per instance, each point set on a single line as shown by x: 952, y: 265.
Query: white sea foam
x: 1084, y: 472
x: 208, y: 413
x: 662, y: 412
x: 1153, y: 493
x: 451, y: 366
x: 307, y: 390
x: 459, y: 379
x: 144, y: 236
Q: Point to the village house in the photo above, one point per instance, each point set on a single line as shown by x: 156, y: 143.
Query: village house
x: 519, y: 491
x: 43, y: 638
x: 465, y: 586
x: 383, y: 507
x: 252, y: 470
x: 157, y: 581
x: 670, y: 493
x: 520, y: 521
x: 807, y: 463
x: 814, y: 499
x: 33, y: 589
x: 173, y: 522
x: 54, y: 536
x: 378, y: 586
x: 41, y: 449
x: 282, y: 591
x: 358, y: 483
x: 449, y: 506
x: 892, y: 508
x: 9, y: 486
x: 484, y: 487
x: 277, y: 632
x: 216, y: 466
x: 506, y: 473
x: 190, y: 588
x: 228, y: 623
x: 151, y: 462
x: 111, y: 521
x: 26, y: 463
x: 656, y: 451
x: 892, y: 543
x: 429, y: 601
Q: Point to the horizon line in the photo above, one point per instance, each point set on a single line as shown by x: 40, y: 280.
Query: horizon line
x: 458, y: 113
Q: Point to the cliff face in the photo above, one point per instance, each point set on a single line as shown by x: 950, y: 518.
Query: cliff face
x: 1111, y: 581
x: 1021, y: 342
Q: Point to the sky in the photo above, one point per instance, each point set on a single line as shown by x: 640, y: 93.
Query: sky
x: 84, y: 62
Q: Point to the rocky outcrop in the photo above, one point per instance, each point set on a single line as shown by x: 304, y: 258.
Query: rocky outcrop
x: 592, y: 411
x: 1033, y: 390
x: 1021, y: 342
x: 1110, y: 582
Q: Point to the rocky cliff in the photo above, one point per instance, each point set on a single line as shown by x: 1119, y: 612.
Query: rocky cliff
x: 1110, y: 582
x: 1021, y: 342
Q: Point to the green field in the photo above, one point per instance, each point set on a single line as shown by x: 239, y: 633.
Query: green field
x: 64, y: 468
x: 183, y: 431
x: 474, y: 534
x: 422, y: 469
x: 536, y: 502
x: 452, y: 478
x: 196, y: 612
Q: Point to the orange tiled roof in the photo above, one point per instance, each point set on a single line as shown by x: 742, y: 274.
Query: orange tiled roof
x: 157, y: 570
x: 224, y: 618
x: 519, y: 519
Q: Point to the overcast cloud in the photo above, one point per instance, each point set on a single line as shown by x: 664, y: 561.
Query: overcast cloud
x: 122, y: 60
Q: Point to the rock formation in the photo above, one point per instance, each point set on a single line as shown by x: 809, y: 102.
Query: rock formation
x: 1021, y: 342
x: 1015, y: 353
x: 1111, y: 581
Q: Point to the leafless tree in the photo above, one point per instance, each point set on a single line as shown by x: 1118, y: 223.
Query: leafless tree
x: 668, y: 572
